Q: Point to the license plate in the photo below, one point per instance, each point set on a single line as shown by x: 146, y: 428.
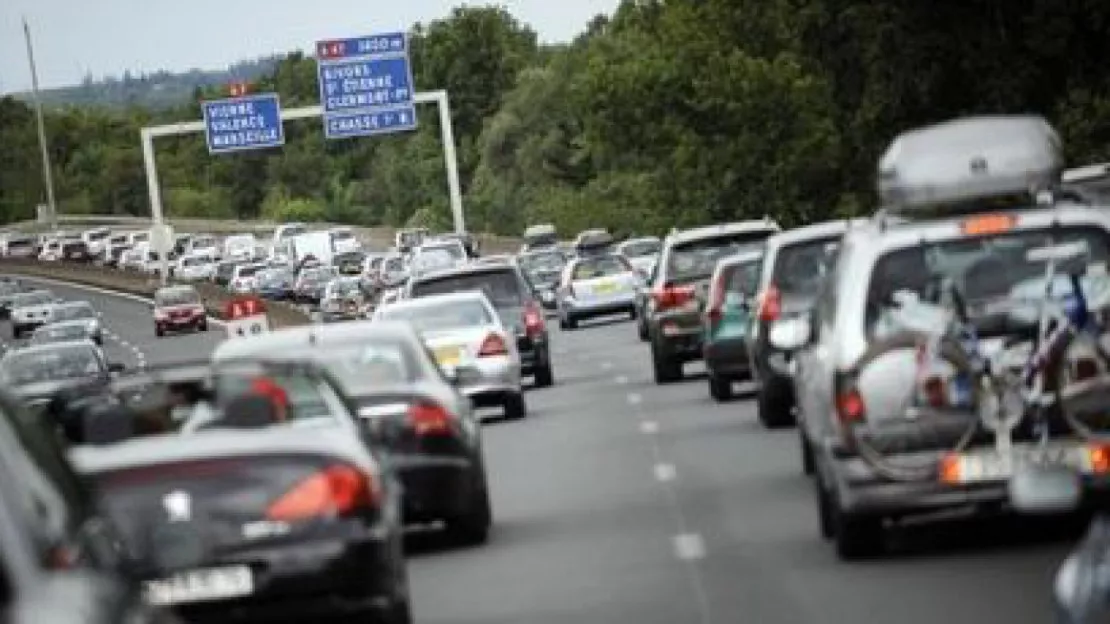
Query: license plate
x: 605, y: 288
x: 200, y: 586
x: 988, y: 466
x: 448, y: 356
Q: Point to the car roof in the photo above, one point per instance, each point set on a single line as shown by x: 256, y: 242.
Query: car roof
x: 640, y: 239
x: 303, y: 335
x: 176, y: 288
x: 812, y: 231
x: 723, y: 229
x: 444, y: 298
x: 469, y: 269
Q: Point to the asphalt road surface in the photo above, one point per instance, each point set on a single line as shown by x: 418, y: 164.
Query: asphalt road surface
x: 619, y: 501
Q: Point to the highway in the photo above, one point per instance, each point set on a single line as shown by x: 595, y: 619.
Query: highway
x: 619, y: 501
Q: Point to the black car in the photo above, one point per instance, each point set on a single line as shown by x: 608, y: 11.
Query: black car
x: 60, y: 556
x: 515, y: 299
x: 544, y: 268
x: 76, y: 251
x: 36, y: 373
x: 248, y: 492
x: 420, y: 418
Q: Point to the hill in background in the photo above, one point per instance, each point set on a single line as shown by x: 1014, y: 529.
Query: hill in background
x: 158, y: 90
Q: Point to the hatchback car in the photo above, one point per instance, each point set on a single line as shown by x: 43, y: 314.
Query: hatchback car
x: 178, y: 308
x: 311, y: 282
x: 727, y: 323
x: 514, y: 299
x: 544, y: 268
x: 676, y: 300
x: 596, y: 285
x: 29, y: 310
x: 642, y: 253
x: 37, y: 373
x: 244, y: 278
x: 79, y: 311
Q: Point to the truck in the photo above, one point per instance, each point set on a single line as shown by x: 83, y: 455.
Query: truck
x: 315, y: 244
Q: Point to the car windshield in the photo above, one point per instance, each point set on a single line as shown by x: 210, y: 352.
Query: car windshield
x: 542, y: 262
x: 601, y: 266
x: 501, y: 287
x: 59, y: 333
x: 96, y: 236
x: 176, y: 297
x: 342, y: 235
x: 344, y: 288
x: 989, y: 272
x: 32, y: 299
x: 801, y: 268
x: 695, y: 260
x: 439, y: 315
x: 362, y: 365
x: 49, y: 364
x: 203, y: 242
x: 637, y: 249
x: 73, y: 312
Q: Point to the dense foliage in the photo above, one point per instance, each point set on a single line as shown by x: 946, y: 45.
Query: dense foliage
x: 667, y: 113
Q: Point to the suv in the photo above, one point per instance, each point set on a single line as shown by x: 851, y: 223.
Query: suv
x: 517, y: 304
x: 795, y: 264
x: 874, y: 453
x: 679, y: 285
x: 178, y: 308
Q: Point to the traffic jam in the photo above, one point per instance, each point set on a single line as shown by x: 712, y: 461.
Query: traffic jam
x: 946, y: 354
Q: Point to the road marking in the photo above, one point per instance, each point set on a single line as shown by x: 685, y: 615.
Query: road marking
x: 665, y: 472
x: 689, y: 546
x: 621, y: 380
x: 634, y: 398
x: 606, y: 365
x: 649, y: 427
x: 125, y: 344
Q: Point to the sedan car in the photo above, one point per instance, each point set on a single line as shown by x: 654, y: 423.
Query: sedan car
x: 466, y: 336
x: 596, y: 285
x: 62, y: 331
x: 195, y: 267
x: 411, y: 410
x: 178, y: 308
x: 275, y: 283
x: 543, y: 268
x: 343, y: 300
x: 264, y: 502
x: 29, y: 310
x: 78, y: 311
x: 36, y: 373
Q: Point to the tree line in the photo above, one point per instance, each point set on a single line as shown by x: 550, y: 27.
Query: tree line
x: 666, y: 113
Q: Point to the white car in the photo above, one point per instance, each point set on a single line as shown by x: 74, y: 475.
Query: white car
x: 241, y: 247
x: 598, y: 285
x: 30, y: 310
x: 51, y: 251
x: 467, y: 338
x: 244, y: 278
x: 195, y: 267
x: 203, y: 244
x: 438, y: 255
x: 343, y: 240
x: 78, y: 312
x: 642, y: 253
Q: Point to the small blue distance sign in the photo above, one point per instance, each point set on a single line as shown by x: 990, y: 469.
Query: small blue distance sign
x: 243, y: 123
x: 366, y: 85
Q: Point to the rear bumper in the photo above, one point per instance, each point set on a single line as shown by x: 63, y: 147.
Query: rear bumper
x: 533, y: 353
x: 617, y: 305
x: 727, y: 357
x: 499, y: 376
x: 180, y: 324
x: 677, y: 339
x: 436, y: 487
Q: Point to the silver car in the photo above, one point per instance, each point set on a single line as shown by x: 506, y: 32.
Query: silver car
x: 79, y: 311
x: 467, y: 339
x: 29, y: 310
x: 64, y: 331
x: 596, y: 285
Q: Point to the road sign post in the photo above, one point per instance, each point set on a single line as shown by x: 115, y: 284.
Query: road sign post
x: 366, y: 85
x: 245, y: 316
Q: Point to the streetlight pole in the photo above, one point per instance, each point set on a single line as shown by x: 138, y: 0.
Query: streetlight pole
x: 47, y: 174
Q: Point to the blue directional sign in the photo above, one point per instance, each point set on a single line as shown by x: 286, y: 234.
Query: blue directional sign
x: 366, y: 85
x: 243, y: 123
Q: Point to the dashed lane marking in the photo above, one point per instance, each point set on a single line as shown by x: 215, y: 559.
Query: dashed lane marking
x: 689, y: 546
x: 665, y: 473
x: 634, y: 398
x: 621, y: 380
x: 606, y: 365
x: 649, y: 427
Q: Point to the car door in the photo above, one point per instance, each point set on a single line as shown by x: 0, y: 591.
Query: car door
x: 813, y: 378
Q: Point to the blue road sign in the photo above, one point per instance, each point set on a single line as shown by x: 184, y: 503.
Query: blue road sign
x: 366, y: 85
x: 243, y: 123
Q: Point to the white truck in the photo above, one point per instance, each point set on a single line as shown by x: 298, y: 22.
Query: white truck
x: 315, y: 244
x: 96, y: 239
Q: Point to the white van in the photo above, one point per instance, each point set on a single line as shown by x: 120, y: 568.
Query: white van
x: 343, y: 240
x: 96, y: 239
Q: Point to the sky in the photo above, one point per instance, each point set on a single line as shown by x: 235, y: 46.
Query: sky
x: 106, y: 37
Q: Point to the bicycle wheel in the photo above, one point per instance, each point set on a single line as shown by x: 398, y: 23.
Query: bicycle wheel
x: 1078, y: 376
x: 907, y: 444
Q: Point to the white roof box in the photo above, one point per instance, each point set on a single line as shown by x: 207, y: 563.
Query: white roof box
x: 970, y: 158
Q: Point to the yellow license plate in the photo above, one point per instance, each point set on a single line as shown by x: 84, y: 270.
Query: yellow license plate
x: 447, y: 356
x: 605, y: 288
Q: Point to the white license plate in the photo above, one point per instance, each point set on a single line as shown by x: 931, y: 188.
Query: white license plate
x: 200, y: 586
x: 988, y: 466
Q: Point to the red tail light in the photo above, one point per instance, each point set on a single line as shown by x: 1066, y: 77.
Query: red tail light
x: 714, y: 313
x: 770, y: 307
x: 494, y: 344
x: 935, y: 392
x: 533, y: 319
x: 429, y: 419
x: 335, y: 491
x: 668, y: 297
x: 849, y: 407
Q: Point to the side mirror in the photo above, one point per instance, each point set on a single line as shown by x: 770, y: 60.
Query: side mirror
x: 1045, y: 490
x: 790, y: 334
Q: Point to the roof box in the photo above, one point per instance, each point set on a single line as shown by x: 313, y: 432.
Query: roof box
x: 968, y: 159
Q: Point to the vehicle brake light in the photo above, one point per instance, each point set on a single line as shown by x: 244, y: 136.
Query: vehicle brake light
x: 493, y: 345
x: 714, y: 313
x: 428, y: 418
x: 988, y: 224
x: 335, y: 491
x: 533, y: 319
x: 673, y: 296
x: 770, y: 307
x: 849, y: 407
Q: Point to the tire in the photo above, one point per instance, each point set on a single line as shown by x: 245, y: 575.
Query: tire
x: 806, y: 452
x: 666, y: 369
x: 857, y: 536
x: 632, y: 313
x: 473, y: 528
x: 774, y: 404
x: 642, y: 328
x: 563, y: 324
x: 826, y: 521
x: 515, y: 407
x: 202, y: 326
x: 543, y: 376
x: 159, y: 332
x: 720, y: 388
x: 572, y: 323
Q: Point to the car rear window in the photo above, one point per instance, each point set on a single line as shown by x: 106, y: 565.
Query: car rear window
x: 602, y: 266
x: 743, y: 277
x: 177, y: 296
x: 801, y: 268
x: 501, y: 287
x: 695, y: 260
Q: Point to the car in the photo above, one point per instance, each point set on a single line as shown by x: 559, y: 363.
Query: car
x: 74, y: 250
x: 349, y: 263
x: 438, y: 254
x: 343, y: 300
x: 596, y: 285
x: 465, y: 333
x: 225, y: 269
x: 8, y: 291
x: 414, y: 411
x: 405, y: 240
x: 250, y: 493
x: 642, y: 253
x: 311, y: 282
x: 676, y: 300
x: 37, y: 373
x: 29, y: 310
x: 61, y: 331
x: 515, y: 301
x: 241, y: 247
x: 275, y: 283
x: 343, y: 240
x: 203, y: 244
x: 81, y: 311
x: 540, y: 236
x: 796, y: 263
x: 727, y: 322
x: 244, y: 277
x: 544, y: 268
x: 195, y: 267
x: 178, y: 308
x: 874, y: 454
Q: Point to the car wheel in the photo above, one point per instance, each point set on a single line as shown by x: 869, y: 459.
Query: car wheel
x: 720, y: 388
x: 515, y: 407
x: 807, y: 452
x: 203, y: 326
x: 825, y: 518
x: 543, y: 376
x: 774, y: 405
x: 473, y: 528
x: 857, y: 536
x: 572, y: 323
x: 666, y: 369
x: 642, y: 328
x: 632, y: 313
x: 159, y: 332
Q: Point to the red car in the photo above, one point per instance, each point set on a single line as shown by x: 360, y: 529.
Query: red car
x: 178, y: 308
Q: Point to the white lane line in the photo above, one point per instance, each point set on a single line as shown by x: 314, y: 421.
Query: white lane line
x: 125, y: 344
x: 606, y: 366
x: 689, y: 546
x: 634, y: 398
x: 665, y: 473
x: 621, y: 380
x: 649, y: 427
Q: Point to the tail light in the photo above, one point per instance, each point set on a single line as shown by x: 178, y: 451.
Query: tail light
x: 849, y: 406
x: 714, y: 313
x: 770, y: 307
x: 668, y: 297
x: 493, y: 345
x: 334, y: 491
x: 533, y: 319
x: 934, y: 391
x: 428, y: 418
